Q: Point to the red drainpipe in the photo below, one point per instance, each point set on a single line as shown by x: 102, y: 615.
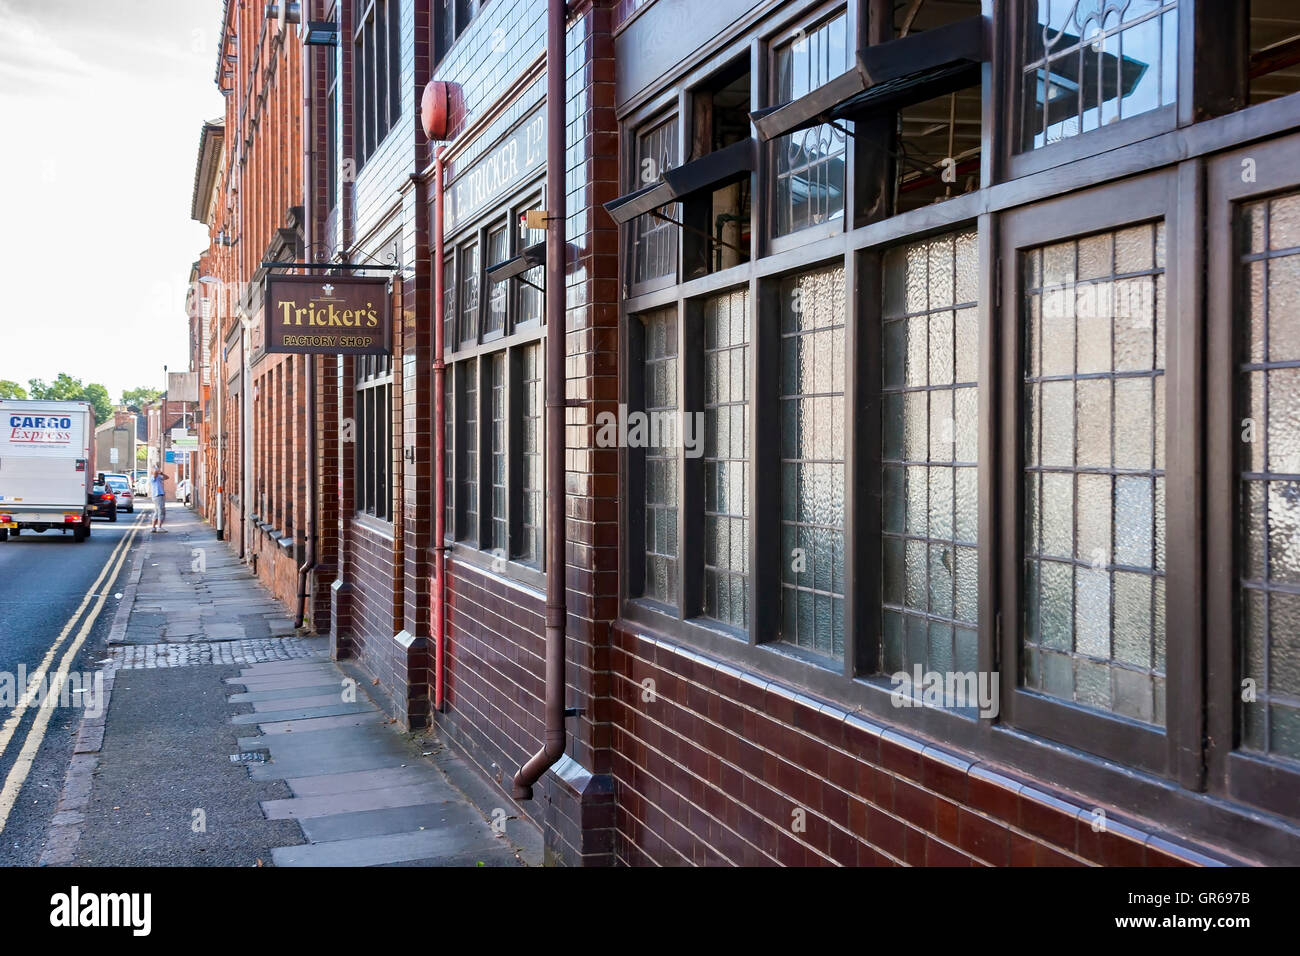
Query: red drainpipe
x: 439, y: 441
x: 553, y: 748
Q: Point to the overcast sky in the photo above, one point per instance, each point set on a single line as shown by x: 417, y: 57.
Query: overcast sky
x: 101, y: 103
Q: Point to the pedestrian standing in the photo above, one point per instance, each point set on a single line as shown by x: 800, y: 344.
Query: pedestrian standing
x: 158, y: 491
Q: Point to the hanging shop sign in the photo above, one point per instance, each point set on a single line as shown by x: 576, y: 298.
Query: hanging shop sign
x: 328, y: 315
x: 499, y: 170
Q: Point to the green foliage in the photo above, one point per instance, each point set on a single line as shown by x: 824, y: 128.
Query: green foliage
x: 10, y: 389
x: 65, y: 388
x: 136, y: 398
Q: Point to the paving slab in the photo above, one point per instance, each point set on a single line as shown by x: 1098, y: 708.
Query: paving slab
x: 341, y: 764
x: 295, y: 727
x: 284, y: 693
x: 367, y: 823
x: 331, y: 711
x: 360, y: 780
x: 334, y: 696
x: 330, y: 804
x: 457, y: 843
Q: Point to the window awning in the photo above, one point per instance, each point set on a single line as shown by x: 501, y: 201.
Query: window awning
x: 890, y: 75
x: 710, y: 172
x: 530, y: 258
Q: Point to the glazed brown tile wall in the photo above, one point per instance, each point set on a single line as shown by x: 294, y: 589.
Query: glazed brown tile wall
x: 719, y: 766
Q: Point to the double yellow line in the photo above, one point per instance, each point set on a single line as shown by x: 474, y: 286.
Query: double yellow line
x: 36, y: 733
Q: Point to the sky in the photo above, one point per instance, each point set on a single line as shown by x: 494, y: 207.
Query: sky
x: 101, y: 106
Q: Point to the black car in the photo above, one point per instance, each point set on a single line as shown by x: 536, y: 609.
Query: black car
x: 102, y: 503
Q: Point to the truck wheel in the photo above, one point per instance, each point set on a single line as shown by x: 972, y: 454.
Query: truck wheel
x: 79, y: 534
x: 4, y: 534
x: 14, y: 532
x: 87, y: 526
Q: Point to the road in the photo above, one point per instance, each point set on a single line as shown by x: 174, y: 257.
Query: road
x: 57, y: 600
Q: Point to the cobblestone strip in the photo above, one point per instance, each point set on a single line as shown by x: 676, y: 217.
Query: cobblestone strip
x: 190, y: 654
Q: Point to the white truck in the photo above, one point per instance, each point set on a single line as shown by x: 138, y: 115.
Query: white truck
x: 47, y: 466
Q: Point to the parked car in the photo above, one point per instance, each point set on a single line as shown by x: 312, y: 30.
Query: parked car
x: 121, y: 486
x: 183, y: 491
x: 141, y: 485
x: 102, y: 503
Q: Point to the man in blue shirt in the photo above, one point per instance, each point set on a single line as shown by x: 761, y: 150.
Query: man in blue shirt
x: 158, y: 492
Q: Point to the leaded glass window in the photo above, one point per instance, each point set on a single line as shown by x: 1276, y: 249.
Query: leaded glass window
x: 654, y: 243
x: 1088, y: 64
x: 1270, y: 475
x: 1094, y: 353
x: 532, y: 546
x: 726, y: 458
x: 469, y: 293
x: 812, y: 461
x: 930, y: 451
x: 661, y: 487
x: 497, y: 251
x: 810, y: 163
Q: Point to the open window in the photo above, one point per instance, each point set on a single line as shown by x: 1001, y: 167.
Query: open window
x: 912, y: 103
x: 707, y: 200
x: 717, y: 220
x: 1274, y: 69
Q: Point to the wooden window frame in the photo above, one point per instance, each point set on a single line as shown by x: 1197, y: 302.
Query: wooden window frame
x: 1236, y: 774
x: 370, y: 458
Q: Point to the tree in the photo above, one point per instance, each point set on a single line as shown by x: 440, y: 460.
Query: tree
x: 65, y: 388
x: 136, y: 398
x: 10, y: 389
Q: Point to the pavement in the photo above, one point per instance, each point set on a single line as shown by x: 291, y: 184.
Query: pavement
x: 231, y: 740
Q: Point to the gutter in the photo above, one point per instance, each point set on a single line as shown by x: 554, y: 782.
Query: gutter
x: 556, y: 269
x: 308, y: 220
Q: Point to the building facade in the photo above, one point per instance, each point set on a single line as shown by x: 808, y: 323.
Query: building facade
x: 928, y: 480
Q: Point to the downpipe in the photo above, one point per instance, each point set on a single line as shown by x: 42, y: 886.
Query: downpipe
x: 309, y: 179
x: 439, y: 442
x: 556, y: 268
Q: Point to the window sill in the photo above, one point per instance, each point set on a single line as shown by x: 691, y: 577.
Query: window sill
x: 377, y: 525
x: 509, y: 570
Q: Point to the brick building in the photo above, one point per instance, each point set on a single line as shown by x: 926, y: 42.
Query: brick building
x: 938, y: 304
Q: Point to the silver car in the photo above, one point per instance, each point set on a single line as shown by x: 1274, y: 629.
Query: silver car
x: 120, y: 485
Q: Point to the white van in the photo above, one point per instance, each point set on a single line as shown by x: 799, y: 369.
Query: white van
x: 47, y: 467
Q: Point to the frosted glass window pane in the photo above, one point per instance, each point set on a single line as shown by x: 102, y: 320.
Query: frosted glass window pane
x: 1268, y: 395
x: 661, y: 500
x: 812, y: 453
x: 726, y: 457
x: 930, y: 452
x: 1094, y: 506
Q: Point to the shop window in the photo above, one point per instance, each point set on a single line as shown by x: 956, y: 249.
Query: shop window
x: 469, y: 290
x: 1274, y: 63
x: 930, y: 449
x: 376, y: 71
x: 374, y: 462
x: 467, y: 419
x: 661, y: 479
x: 810, y: 163
x: 450, y: 18
x: 531, y: 548
x: 1094, y: 521
x: 1269, y: 508
x: 494, y: 322
x: 726, y: 458
x: 1086, y: 65
x: 449, y: 452
x: 654, y: 237
x: 811, y: 395
x: 449, y: 303
x: 530, y: 300
x: 498, y: 529
x: 717, y: 221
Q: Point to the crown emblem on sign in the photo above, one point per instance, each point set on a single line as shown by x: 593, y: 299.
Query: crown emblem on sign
x: 327, y: 289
